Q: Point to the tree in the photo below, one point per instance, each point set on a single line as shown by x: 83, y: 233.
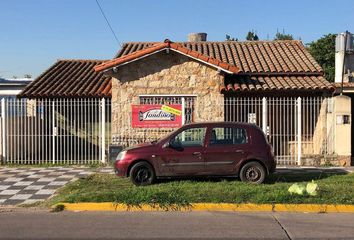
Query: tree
x: 229, y: 38
x: 283, y: 36
x: 27, y: 75
x: 323, y: 51
x: 251, y: 36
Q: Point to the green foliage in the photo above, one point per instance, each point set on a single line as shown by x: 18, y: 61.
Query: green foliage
x: 323, y: 50
x: 251, y: 36
x: 283, y: 36
x: 58, y: 208
x: 229, y: 38
x: 335, y: 189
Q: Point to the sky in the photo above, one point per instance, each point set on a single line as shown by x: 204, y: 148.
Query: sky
x: 36, y: 33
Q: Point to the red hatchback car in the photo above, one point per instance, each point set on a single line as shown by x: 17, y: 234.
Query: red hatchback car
x: 200, y: 149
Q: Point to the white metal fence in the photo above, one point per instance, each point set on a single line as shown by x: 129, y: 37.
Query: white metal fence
x: 295, y: 127
x: 58, y: 131
x: 78, y: 131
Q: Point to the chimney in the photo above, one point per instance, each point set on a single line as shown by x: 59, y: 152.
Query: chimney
x: 197, y: 37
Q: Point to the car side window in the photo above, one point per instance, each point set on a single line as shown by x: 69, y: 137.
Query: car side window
x: 228, y: 136
x: 191, y: 137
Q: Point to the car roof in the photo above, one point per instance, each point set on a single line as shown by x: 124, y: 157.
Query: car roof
x: 240, y: 124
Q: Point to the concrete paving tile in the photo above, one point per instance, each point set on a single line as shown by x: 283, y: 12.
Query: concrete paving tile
x: 40, y: 196
x: 12, y: 187
x: 13, y: 179
x: 23, y: 183
x: 45, y: 191
x: 3, y: 187
x: 23, y: 191
x: 51, y: 187
x: 40, y: 183
x: 37, y: 176
x: 9, y: 192
x: 5, y: 196
x: 30, y: 201
x: 20, y: 196
x: 46, y: 179
x: 34, y: 187
x: 58, y: 183
x: 12, y: 202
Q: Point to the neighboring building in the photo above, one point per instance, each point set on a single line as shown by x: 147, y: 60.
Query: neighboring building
x: 69, y: 78
x: 9, y: 88
x: 344, y: 82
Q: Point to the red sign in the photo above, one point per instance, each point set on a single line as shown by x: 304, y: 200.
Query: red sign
x: 156, y: 116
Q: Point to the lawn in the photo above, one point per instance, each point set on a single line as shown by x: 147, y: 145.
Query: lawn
x: 333, y: 189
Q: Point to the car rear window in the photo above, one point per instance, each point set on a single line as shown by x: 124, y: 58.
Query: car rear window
x: 228, y: 136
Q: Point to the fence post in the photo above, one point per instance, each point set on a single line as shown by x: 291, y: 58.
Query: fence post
x: 183, y: 113
x: 3, y: 130
x: 103, y: 137
x: 53, y: 131
x: 264, y: 115
x: 299, y: 131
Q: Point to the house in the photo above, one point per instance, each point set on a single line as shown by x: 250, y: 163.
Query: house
x: 67, y: 117
x: 344, y: 82
x: 274, y: 84
x: 9, y: 88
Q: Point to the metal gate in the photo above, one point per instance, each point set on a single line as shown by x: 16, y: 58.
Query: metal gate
x: 295, y: 127
x: 56, y: 131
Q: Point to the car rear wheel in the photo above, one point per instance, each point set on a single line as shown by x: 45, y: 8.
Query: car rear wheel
x: 142, y: 174
x: 253, y: 172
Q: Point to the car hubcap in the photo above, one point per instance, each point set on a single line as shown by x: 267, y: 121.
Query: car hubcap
x: 142, y: 175
x: 253, y: 174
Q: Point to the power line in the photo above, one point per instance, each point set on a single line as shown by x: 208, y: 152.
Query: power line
x: 109, y: 25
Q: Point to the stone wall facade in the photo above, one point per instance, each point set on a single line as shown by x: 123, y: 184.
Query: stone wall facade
x: 161, y: 74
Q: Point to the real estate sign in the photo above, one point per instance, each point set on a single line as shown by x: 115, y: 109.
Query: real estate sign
x: 156, y: 116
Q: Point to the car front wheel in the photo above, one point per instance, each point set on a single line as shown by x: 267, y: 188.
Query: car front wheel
x: 253, y: 172
x: 142, y: 174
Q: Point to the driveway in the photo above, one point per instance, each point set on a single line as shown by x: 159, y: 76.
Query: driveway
x: 29, y: 185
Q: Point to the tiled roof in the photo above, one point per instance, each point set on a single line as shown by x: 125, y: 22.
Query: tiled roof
x: 345, y: 84
x: 289, y: 56
x: 279, y: 83
x: 263, y: 65
x: 70, y: 78
x: 167, y: 44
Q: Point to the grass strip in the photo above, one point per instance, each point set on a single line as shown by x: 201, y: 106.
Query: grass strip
x: 333, y: 189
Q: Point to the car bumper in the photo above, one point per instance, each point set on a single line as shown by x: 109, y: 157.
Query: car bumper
x: 272, y: 167
x: 121, y: 168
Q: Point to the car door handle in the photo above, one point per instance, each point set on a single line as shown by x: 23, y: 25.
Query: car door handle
x: 196, y: 153
x: 239, y: 151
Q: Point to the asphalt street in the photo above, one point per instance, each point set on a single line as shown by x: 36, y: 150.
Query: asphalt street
x: 28, y: 224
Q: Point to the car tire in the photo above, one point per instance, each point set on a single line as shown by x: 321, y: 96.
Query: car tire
x: 142, y: 174
x: 253, y: 172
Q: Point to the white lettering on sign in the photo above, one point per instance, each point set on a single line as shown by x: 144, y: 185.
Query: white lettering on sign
x: 156, y: 115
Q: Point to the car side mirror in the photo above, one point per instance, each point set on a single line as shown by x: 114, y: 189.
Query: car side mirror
x: 166, y: 144
x: 176, y: 145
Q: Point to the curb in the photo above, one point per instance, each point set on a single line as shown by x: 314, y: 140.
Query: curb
x: 246, y: 207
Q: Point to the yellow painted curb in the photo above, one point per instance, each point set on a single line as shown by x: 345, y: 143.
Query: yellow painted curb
x: 246, y: 207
